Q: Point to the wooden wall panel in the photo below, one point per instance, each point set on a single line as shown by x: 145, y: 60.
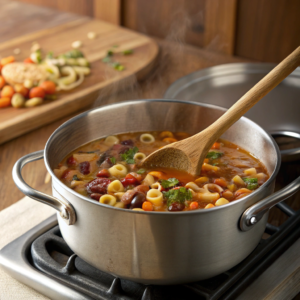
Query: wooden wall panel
x: 204, y: 23
x: 108, y: 10
x: 175, y: 20
x: 82, y: 7
x: 267, y: 30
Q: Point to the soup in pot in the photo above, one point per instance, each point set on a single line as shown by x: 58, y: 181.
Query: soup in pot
x: 106, y: 170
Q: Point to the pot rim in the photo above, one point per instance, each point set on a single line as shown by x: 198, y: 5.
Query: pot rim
x: 133, y: 102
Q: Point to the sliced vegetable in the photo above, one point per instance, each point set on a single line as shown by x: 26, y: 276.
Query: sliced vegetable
x: 70, y: 78
x: 128, y: 52
x: 82, y: 70
x: 17, y: 100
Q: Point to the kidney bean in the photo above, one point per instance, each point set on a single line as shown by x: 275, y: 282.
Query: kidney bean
x: 138, y: 200
x: 176, y: 207
x: 84, y: 167
x: 128, y: 143
x: 96, y: 196
x: 142, y: 188
x: 71, y: 161
x: 103, y: 173
x: 98, y: 185
x: 128, y: 196
x: 124, y: 149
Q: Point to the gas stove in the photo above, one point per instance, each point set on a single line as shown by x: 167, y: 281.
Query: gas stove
x: 42, y: 260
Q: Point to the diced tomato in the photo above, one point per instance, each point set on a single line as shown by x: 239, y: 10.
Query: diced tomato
x: 71, y: 161
x: 103, y: 173
x: 129, y: 180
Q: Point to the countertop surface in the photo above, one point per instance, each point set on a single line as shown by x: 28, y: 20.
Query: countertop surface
x: 175, y: 60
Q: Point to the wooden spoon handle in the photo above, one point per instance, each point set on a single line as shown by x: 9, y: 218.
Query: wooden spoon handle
x: 264, y: 86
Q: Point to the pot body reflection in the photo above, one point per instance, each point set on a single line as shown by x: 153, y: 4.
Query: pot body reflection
x: 159, y: 247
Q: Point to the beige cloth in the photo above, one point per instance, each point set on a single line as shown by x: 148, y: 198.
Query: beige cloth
x: 14, y: 221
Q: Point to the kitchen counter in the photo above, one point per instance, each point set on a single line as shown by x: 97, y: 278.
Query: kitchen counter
x: 175, y: 60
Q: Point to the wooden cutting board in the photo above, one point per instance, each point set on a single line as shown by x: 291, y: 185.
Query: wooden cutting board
x: 14, y: 122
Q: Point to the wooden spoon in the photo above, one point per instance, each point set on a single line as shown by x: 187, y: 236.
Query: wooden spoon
x: 188, y: 155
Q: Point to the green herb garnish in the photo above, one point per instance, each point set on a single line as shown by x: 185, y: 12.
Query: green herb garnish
x: 75, y: 177
x: 252, y: 183
x: 75, y: 53
x: 115, y: 46
x: 169, y: 183
x: 128, y: 52
x: 118, y: 66
x: 50, y: 54
x: 113, y: 160
x: 178, y: 195
x: 141, y: 171
x: 129, y: 154
x: 106, y: 59
x: 110, y: 53
x: 214, y: 155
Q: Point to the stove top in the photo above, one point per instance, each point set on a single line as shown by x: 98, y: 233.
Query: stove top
x: 42, y: 260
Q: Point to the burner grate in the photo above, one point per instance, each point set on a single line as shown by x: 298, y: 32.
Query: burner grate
x: 52, y: 255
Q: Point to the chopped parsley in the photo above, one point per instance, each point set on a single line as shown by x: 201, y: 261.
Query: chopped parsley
x: 129, y: 154
x: 177, y: 195
x: 214, y: 155
x: 75, y: 177
x: 169, y: 183
x: 252, y: 183
x: 141, y: 171
x: 106, y: 59
x: 118, y: 66
x: 110, y: 53
x: 113, y: 160
x: 128, y: 52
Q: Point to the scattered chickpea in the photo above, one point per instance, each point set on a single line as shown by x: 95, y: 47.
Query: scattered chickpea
x: 76, y: 44
x: 91, y: 35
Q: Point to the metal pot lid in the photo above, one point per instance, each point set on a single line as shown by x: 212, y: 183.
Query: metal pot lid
x: 223, y: 85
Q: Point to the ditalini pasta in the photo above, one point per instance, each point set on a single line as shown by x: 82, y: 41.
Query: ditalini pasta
x: 107, y: 171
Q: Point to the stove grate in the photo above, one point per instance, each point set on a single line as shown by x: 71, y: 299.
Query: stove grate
x: 51, y: 255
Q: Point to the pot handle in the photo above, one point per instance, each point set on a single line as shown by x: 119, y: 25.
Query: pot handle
x: 64, y: 207
x: 289, y: 154
x: 255, y: 212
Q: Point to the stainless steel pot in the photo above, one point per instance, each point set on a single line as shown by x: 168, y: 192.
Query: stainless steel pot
x: 157, y: 247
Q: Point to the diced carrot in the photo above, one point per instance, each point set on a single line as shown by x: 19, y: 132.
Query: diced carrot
x: 169, y: 140
x: 7, y: 91
x: 37, y: 92
x: 209, y: 206
x: 221, y: 182
x: 28, y: 60
x: 7, y: 60
x: 166, y: 134
x: 5, y: 102
x: 2, y: 82
x: 156, y: 174
x: 147, y: 206
x: 216, y: 146
x: 206, y: 160
x: 194, y: 205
